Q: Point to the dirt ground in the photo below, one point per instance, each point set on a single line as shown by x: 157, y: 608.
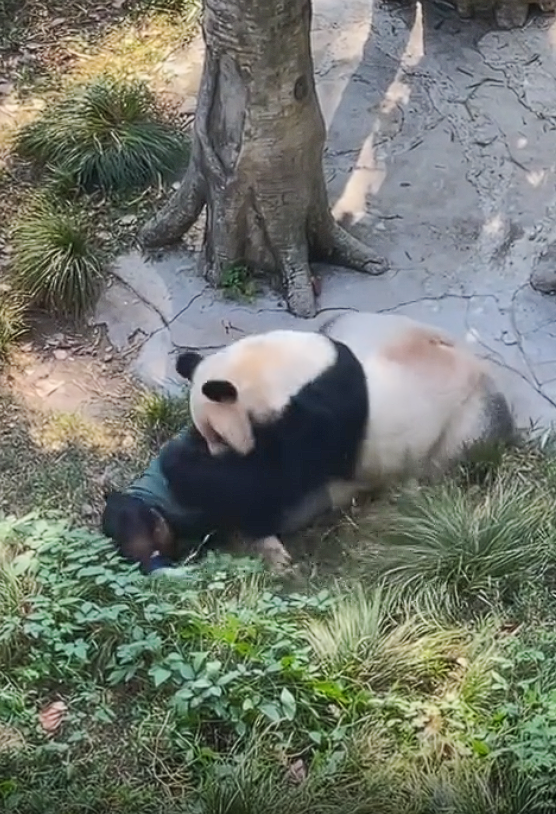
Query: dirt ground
x: 66, y: 428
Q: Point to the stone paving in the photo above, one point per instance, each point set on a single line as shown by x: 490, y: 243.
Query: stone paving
x: 442, y: 155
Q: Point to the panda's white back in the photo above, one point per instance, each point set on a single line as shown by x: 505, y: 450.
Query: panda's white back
x: 426, y: 393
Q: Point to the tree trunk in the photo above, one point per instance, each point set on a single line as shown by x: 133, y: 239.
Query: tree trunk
x: 256, y: 159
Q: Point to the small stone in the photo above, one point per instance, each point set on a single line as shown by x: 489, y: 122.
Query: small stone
x: 126, y: 220
x: 543, y: 276
x: 87, y: 510
x: 508, y: 338
x: 60, y: 354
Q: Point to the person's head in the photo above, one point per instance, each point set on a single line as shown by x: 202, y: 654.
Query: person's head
x: 136, y: 529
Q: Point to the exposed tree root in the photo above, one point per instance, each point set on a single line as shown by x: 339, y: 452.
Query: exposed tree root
x: 348, y: 251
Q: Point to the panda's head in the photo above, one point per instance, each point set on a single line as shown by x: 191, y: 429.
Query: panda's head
x: 250, y: 382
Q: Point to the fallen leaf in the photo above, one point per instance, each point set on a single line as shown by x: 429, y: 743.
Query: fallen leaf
x: 10, y: 738
x: 45, y: 389
x: 52, y: 716
x: 297, y: 771
x: 433, y: 725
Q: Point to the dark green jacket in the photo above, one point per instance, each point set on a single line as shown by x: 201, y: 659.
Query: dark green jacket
x: 188, y: 524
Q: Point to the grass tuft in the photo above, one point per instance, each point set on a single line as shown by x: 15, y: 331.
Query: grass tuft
x: 237, y: 283
x: 55, y: 261
x: 374, y: 637
x: 188, y: 10
x: 477, y: 544
x: 160, y: 416
x: 106, y: 134
x: 12, y: 322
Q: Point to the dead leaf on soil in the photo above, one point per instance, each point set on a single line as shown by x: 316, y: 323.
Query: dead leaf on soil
x: 52, y: 716
x: 10, y: 738
x: 297, y: 772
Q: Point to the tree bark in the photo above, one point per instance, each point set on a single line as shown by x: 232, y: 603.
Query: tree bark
x: 256, y: 159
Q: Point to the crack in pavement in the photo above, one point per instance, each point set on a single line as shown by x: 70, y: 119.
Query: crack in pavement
x: 535, y: 383
x: 144, y: 300
x: 189, y: 304
x: 509, y: 79
x: 478, y: 99
x: 166, y: 324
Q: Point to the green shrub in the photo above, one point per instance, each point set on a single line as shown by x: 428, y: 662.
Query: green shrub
x: 216, y: 642
x: 55, y: 261
x: 523, y: 730
x: 478, y: 545
x: 106, y: 134
x: 217, y: 646
x: 237, y: 283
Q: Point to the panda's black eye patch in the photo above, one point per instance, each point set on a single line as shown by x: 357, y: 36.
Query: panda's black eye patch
x: 220, y: 390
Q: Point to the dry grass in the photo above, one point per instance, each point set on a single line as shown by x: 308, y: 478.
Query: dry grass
x: 352, y: 544
x: 133, y: 48
x: 47, y: 47
x: 62, y: 461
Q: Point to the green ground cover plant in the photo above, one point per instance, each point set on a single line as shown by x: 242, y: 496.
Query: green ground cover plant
x: 225, y: 690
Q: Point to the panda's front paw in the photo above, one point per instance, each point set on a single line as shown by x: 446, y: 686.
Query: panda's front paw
x: 275, y: 554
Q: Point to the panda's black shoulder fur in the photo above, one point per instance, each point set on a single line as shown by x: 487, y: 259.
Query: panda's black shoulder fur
x: 316, y: 439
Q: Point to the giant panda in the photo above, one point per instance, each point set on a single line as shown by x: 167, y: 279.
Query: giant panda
x: 433, y: 401
x: 283, y: 414
x: 296, y: 418
x: 147, y: 525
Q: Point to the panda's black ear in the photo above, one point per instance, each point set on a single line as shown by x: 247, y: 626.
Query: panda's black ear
x: 220, y: 390
x: 186, y: 364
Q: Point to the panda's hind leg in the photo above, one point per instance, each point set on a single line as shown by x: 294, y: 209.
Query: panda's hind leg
x: 270, y: 549
x: 480, y: 430
x: 499, y: 422
x: 274, y: 554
